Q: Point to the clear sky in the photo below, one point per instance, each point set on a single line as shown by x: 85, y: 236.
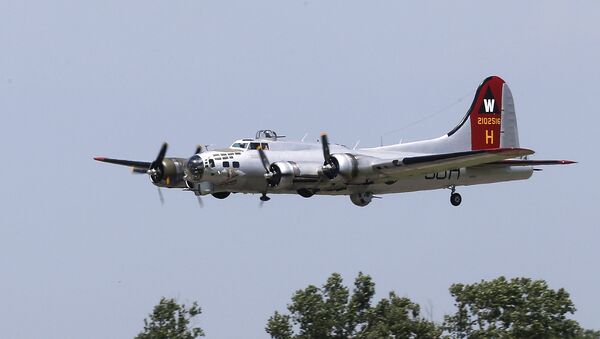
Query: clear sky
x: 86, y: 249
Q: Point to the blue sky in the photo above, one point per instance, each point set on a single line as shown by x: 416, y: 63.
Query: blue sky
x: 86, y: 249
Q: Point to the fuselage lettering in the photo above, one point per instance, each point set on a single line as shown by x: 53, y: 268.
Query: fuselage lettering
x: 445, y: 175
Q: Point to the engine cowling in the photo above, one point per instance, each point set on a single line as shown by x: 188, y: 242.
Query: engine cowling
x: 169, y: 173
x: 346, y: 165
x: 283, y: 173
x: 361, y: 199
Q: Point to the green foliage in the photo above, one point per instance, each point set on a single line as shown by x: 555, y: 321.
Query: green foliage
x: 169, y: 320
x: 588, y: 334
x: 332, y: 312
x: 516, y: 308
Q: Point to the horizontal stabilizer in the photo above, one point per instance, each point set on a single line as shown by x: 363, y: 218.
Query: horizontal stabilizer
x: 441, y: 162
x: 520, y: 162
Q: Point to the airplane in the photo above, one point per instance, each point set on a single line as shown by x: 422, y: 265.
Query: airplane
x: 482, y: 149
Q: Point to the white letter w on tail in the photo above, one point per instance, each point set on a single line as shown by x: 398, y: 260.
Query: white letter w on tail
x: 489, y: 105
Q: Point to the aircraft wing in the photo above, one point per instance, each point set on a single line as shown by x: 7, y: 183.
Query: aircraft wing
x: 433, y: 163
x: 138, y: 166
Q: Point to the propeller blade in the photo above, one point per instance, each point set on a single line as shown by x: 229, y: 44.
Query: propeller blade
x: 160, y: 196
x: 136, y: 170
x: 200, y: 202
x: 264, y: 159
x: 160, y: 156
x: 199, y: 149
x: 330, y: 165
x: 325, y: 145
x: 156, y: 170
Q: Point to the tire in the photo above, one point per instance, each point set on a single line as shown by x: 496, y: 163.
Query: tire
x: 221, y: 195
x: 305, y: 193
x: 455, y: 199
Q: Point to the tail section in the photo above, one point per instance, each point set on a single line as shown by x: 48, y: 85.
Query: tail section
x: 491, y: 121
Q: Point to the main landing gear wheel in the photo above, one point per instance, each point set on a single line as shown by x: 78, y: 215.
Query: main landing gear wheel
x: 305, y: 193
x: 264, y: 197
x: 455, y: 199
x: 221, y: 195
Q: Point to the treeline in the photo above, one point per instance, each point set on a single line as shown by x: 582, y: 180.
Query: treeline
x: 500, y: 308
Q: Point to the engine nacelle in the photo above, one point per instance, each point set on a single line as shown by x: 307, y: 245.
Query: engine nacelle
x: 346, y: 165
x: 352, y: 167
x: 285, y: 173
x: 169, y: 173
x: 361, y: 199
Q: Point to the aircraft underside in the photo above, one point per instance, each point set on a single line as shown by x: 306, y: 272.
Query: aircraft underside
x: 440, y: 180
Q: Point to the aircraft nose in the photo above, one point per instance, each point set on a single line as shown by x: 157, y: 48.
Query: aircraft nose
x: 195, y: 165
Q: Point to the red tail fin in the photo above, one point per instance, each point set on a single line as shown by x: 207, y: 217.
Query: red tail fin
x: 486, y: 114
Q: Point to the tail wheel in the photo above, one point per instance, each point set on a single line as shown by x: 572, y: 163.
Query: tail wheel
x: 455, y: 199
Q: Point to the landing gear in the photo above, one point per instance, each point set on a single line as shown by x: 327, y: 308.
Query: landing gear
x: 455, y: 198
x: 305, y: 193
x: 221, y: 195
x: 264, y: 197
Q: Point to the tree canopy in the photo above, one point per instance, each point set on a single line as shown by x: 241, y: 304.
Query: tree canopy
x: 333, y: 312
x: 170, y: 320
x: 516, y: 308
x: 499, y: 308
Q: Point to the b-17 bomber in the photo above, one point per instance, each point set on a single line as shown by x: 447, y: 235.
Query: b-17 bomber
x: 483, y: 148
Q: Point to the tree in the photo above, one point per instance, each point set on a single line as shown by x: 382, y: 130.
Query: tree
x: 588, y: 334
x: 169, y: 320
x: 516, y: 308
x: 331, y: 312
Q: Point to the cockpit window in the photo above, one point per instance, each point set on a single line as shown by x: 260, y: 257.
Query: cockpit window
x: 239, y: 145
x: 256, y: 145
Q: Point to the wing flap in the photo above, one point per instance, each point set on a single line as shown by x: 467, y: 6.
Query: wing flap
x: 425, y: 164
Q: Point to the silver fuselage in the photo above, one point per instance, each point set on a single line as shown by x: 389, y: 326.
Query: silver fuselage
x: 249, y: 175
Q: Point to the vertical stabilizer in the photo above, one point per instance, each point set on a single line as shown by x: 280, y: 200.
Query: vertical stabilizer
x: 491, y: 121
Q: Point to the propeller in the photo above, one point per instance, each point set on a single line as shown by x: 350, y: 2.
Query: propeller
x: 160, y: 196
x: 199, y: 149
x: 270, y: 173
x: 264, y: 160
x: 157, y: 170
x: 330, y: 166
